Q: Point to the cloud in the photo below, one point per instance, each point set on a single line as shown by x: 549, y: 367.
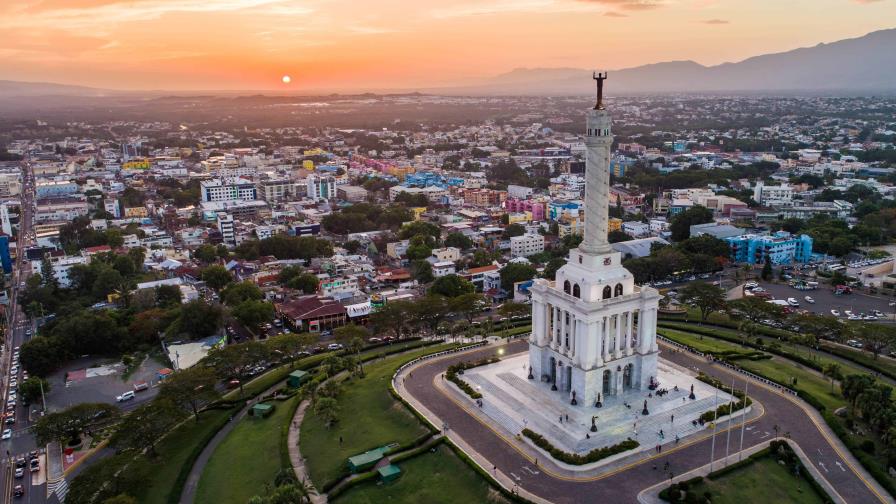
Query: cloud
x: 714, y: 21
x: 614, y: 14
x: 634, y: 5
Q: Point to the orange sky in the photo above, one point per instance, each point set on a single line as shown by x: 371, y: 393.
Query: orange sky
x: 379, y: 44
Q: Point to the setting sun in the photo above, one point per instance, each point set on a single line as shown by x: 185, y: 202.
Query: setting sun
x: 286, y: 79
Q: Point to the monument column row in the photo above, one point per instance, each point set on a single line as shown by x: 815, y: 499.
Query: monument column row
x: 614, y: 334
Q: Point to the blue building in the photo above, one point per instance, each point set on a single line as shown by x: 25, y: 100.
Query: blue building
x: 556, y: 208
x: 56, y: 189
x: 781, y: 247
x: 5, y: 259
x: 424, y: 179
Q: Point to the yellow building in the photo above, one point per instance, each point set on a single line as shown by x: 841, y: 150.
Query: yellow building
x: 308, y: 165
x: 614, y: 224
x: 519, y: 217
x: 400, y: 172
x: 418, y: 211
x: 136, y: 212
x: 317, y: 151
x: 136, y: 164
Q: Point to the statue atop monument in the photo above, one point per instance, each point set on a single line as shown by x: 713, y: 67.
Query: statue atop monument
x: 600, y: 78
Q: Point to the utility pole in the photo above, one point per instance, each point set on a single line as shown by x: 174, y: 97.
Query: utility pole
x: 715, y: 416
x: 743, y: 422
x: 730, y: 416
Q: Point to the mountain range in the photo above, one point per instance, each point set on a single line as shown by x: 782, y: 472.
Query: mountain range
x: 865, y: 64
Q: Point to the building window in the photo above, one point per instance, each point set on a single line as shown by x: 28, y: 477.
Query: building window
x: 608, y: 293
x: 618, y: 290
x: 576, y: 291
x: 566, y: 286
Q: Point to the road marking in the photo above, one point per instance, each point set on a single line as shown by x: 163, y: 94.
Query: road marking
x: 840, y: 465
x: 516, y: 477
x: 530, y: 470
x: 823, y: 467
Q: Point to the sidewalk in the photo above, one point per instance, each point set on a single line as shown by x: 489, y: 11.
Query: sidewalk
x: 298, y: 462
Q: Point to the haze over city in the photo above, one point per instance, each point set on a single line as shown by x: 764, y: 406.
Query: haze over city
x: 345, y: 45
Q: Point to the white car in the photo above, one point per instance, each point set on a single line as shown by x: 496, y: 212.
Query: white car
x: 848, y: 313
x: 127, y: 396
x: 751, y: 285
x: 809, y: 299
x: 7, y: 434
x: 793, y: 302
x: 835, y: 313
x: 758, y: 289
x: 854, y: 317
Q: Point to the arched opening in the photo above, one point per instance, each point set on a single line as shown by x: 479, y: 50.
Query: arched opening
x: 608, y: 293
x: 618, y: 290
x: 576, y: 291
x: 566, y: 286
x: 627, y: 373
x: 606, y: 387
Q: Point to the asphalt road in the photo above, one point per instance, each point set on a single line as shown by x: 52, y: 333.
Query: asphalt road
x: 624, y: 484
x: 22, y: 441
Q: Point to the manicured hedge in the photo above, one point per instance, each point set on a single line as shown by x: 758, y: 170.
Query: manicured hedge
x: 576, y: 459
x: 453, y: 371
x: 724, y: 409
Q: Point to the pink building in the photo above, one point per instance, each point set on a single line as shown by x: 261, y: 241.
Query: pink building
x: 520, y: 205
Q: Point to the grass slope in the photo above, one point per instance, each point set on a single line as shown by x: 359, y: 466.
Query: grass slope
x: 762, y: 481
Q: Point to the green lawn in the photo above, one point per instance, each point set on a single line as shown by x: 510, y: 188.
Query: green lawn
x: 247, y: 459
x: 762, y: 481
x: 369, y: 417
x: 707, y: 344
x: 174, y: 450
x: 439, y: 477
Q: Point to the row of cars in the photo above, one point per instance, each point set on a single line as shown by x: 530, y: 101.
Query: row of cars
x: 9, y: 417
x: 32, y: 463
x: 850, y: 315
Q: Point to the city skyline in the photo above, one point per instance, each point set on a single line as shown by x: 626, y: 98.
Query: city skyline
x: 253, y: 44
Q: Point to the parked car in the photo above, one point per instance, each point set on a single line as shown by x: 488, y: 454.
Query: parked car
x: 809, y: 299
x: 7, y: 434
x: 334, y: 346
x: 140, y: 386
x: 20, y: 472
x: 854, y: 343
x: 835, y: 313
x: 793, y: 302
x: 127, y: 396
x: 18, y: 491
x: 35, y: 464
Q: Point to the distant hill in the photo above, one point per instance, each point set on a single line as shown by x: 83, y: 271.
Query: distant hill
x: 865, y: 64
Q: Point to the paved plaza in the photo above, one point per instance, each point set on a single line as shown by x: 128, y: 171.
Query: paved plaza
x: 515, y: 402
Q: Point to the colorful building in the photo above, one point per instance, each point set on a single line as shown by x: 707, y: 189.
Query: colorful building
x: 781, y: 248
x: 534, y: 207
x: 136, y: 164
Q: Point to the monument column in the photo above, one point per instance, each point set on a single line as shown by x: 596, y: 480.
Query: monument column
x: 597, y: 176
x: 630, y: 339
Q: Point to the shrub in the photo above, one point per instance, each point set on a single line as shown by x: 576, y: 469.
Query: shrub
x: 576, y: 459
x: 456, y: 369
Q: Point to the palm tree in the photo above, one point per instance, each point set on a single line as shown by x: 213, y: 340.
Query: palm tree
x: 746, y: 328
x: 832, y: 371
x: 328, y: 410
x: 354, y: 346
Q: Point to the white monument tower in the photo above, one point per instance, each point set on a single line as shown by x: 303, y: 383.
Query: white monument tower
x: 585, y: 341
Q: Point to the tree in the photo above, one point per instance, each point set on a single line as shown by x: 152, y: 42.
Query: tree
x: 458, y: 240
x: 418, y: 252
x: 877, y: 337
x: 767, y: 272
x: 680, y: 227
x: 617, y: 236
x: 143, y: 427
x: 328, y: 410
x: 197, y: 319
x: 468, y: 305
x: 421, y: 271
x: 48, y: 273
x: 205, y: 253
x: 31, y: 391
x: 550, y: 269
x: 419, y: 228
x: 236, y: 293
x: 253, y: 313
x: 511, y: 309
x: 216, y: 276
x: 706, y: 297
x: 189, y: 389
x: 289, y: 345
x: 451, y: 286
x: 349, y: 332
x: 393, y: 316
x: 513, y: 230
x: 237, y: 361
x: 516, y: 272
x: 832, y: 371
x: 68, y: 424
x: 431, y: 310
x: 755, y: 309
x: 168, y: 295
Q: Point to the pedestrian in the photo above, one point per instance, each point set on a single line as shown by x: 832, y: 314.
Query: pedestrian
x: 567, y: 418
x: 673, y: 419
x: 660, y: 448
x: 561, y: 418
x: 340, y: 440
x: 666, y: 466
x: 654, y: 466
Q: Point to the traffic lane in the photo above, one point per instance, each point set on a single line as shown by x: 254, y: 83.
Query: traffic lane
x: 826, y: 300
x: 625, y: 484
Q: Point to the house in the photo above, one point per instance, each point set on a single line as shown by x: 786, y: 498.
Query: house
x: 442, y: 268
x: 477, y: 275
x: 312, y: 313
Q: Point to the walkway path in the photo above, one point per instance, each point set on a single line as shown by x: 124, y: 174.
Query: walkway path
x: 541, y: 480
x: 298, y: 462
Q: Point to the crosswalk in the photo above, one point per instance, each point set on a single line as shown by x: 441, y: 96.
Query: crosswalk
x: 59, y: 487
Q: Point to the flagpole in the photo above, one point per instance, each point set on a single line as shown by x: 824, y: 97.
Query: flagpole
x: 743, y: 421
x: 715, y: 416
x: 730, y: 416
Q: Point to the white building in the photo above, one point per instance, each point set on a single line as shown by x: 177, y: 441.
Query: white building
x: 636, y: 229
x: 61, y: 267
x: 443, y: 268
x: 235, y: 189
x: 584, y: 338
x: 526, y: 245
x: 225, y: 226
x: 774, y: 196
x: 320, y: 188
